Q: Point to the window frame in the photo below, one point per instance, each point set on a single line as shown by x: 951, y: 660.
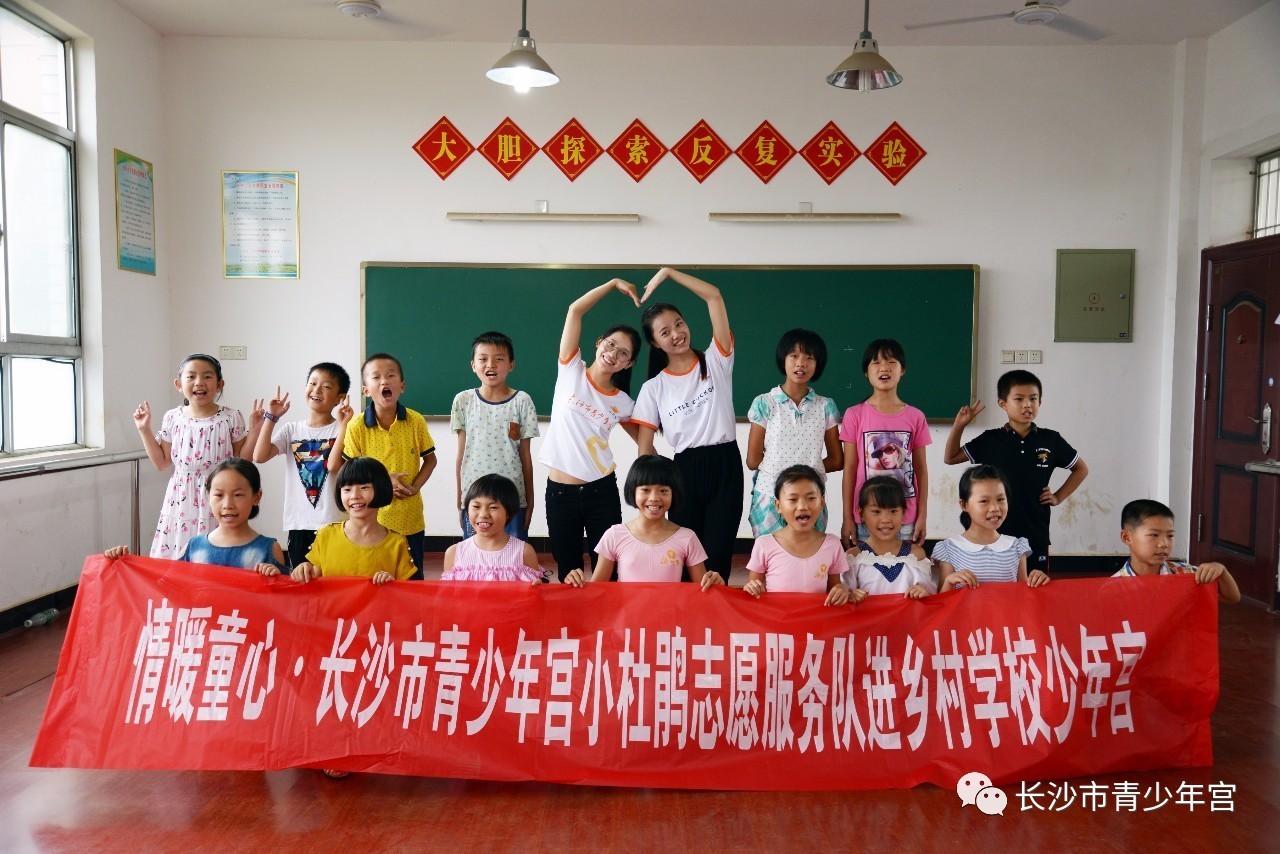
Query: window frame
x: 68, y: 348
x: 1269, y: 229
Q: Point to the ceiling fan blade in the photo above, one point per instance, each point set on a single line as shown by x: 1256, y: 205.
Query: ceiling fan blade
x: 956, y: 21
x: 1076, y: 27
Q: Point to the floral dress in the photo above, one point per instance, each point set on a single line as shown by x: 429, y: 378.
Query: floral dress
x: 197, y: 445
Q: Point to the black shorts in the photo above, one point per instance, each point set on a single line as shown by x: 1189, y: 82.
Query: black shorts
x: 1038, y: 559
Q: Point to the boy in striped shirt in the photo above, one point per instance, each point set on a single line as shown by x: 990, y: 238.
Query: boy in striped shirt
x: 1148, y: 530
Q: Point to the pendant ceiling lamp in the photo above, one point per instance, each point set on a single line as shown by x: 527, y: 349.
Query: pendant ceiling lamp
x: 865, y: 69
x: 522, y: 68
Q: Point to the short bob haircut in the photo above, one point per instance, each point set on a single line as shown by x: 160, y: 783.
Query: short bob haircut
x: 497, y: 487
x: 883, y: 491
x: 654, y: 470
x: 809, y: 342
x: 364, y: 470
x: 1137, y: 512
x: 242, y: 467
x: 884, y: 347
x: 796, y: 474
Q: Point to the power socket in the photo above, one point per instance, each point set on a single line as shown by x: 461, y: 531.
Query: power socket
x: 234, y: 352
x: 1037, y: 357
x: 1020, y: 357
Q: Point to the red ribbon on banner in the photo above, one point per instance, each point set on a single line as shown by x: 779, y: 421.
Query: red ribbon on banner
x: 169, y: 665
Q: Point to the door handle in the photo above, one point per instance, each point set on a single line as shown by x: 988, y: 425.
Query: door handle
x: 1265, y: 421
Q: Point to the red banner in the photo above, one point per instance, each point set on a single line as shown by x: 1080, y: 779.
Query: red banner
x: 167, y: 665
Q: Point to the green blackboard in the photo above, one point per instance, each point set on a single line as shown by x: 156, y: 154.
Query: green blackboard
x: 427, y: 314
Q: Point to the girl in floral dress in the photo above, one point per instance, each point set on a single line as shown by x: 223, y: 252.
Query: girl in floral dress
x: 193, y: 438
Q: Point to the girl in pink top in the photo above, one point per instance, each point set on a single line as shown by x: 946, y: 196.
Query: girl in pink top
x: 798, y: 558
x: 492, y: 554
x: 650, y: 547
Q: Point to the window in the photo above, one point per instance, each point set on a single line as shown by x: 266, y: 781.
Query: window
x: 40, y: 352
x: 1266, y: 195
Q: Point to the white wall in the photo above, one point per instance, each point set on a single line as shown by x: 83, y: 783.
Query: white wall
x: 1127, y: 147
x: 1042, y: 160
x: 48, y: 524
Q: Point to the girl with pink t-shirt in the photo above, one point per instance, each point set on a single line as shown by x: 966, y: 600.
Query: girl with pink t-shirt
x: 884, y: 436
x: 650, y: 547
x: 798, y: 558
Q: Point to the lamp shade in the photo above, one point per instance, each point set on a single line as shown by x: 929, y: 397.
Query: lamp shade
x: 522, y: 67
x: 865, y: 69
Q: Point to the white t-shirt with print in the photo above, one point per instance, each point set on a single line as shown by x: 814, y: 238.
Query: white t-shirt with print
x: 582, y: 416
x: 692, y: 412
x: 308, y: 486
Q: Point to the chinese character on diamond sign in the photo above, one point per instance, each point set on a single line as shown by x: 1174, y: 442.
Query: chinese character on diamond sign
x: 701, y: 151
x: 443, y: 148
x: 508, y: 149
x: 895, y: 153
x: 637, y: 150
x: 572, y: 149
x: 765, y: 152
x: 830, y: 152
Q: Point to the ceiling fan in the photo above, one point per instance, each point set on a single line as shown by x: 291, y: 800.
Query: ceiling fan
x: 1034, y: 12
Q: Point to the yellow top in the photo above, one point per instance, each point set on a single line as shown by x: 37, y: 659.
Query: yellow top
x: 401, y: 449
x: 335, y: 555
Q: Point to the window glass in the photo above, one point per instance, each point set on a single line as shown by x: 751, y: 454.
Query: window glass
x: 37, y: 191
x: 44, y: 402
x: 33, y: 69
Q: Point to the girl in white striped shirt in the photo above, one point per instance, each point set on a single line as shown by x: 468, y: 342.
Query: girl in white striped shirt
x: 982, y: 553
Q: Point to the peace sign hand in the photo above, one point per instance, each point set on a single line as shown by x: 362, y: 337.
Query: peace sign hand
x: 278, y: 405
x: 345, y: 412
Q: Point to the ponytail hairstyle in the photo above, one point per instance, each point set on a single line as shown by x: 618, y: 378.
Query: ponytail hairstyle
x: 657, y: 358
x: 976, y: 473
x: 622, y: 379
x: 242, y: 467
x: 201, y: 357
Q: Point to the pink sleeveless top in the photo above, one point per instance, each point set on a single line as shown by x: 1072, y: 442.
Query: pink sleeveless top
x: 472, y: 563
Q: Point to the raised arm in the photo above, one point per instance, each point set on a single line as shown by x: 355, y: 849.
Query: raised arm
x: 955, y: 450
x: 264, y: 449
x: 157, y: 450
x: 709, y: 293
x: 344, y: 415
x: 571, y: 337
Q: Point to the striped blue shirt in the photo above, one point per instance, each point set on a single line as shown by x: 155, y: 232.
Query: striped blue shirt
x: 995, y: 562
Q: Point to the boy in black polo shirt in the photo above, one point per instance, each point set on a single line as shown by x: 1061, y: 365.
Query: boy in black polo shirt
x: 1027, y: 455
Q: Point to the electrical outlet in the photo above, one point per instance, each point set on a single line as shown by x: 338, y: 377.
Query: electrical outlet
x: 233, y: 352
x: 1036, y: 357
x: 1006, y: 357
x: 1020, y: 357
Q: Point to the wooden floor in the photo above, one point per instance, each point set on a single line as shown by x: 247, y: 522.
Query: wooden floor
x: 73, y: 810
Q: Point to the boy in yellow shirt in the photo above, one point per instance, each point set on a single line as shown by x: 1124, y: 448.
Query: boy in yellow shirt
x: 395, y: 436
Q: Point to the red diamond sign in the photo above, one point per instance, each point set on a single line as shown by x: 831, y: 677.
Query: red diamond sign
x: 637, y: 150
x: 508, y: 149
x: 443, y: 148
x: 572, y: 149
x: 765, y: 152
x: 701, y: 151
x: 894, y: 153
x: 830, y: 152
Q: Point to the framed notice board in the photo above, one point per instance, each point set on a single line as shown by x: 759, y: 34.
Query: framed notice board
x: 427, y: 314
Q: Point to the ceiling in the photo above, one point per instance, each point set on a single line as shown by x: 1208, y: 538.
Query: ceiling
x: 697, y: 22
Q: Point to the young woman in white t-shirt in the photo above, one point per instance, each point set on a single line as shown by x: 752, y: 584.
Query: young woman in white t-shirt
x: 588, y: 402
x: 689, y: 397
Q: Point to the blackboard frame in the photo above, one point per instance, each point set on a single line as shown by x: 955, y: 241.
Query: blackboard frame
x: 961, y: 317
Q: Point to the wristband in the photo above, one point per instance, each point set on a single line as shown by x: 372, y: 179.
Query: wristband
x: 274, y: 419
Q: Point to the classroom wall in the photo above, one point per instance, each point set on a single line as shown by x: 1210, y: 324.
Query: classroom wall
x: 1040, y: 160
x: 49, y: 523
x: 1087, y: 146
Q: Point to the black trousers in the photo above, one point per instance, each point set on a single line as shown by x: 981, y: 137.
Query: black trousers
x: 574, y: 508
x: 712, y: 505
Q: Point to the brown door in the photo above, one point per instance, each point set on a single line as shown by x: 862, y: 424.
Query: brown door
x: 1234, y: 510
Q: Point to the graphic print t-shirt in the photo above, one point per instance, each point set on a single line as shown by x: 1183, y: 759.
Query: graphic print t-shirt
x: 308, y: 489
x: 885, y: 446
